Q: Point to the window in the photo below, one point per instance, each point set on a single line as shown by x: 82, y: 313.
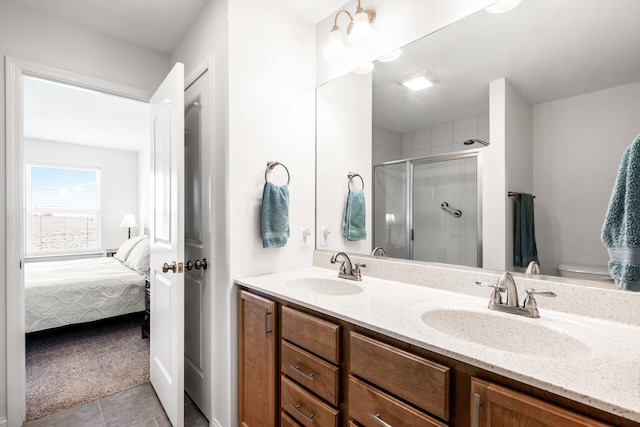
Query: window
x: 63, y: 209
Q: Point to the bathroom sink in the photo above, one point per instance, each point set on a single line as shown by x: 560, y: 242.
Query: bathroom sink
x: 325, y: 286
x: 505, y: 332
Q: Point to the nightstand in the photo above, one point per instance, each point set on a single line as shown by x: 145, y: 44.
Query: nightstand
x: 146, y: 326
x: 111, y: 252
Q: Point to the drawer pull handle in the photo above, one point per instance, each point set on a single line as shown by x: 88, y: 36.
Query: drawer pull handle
x: 297, y: 409
x: 297, y: 369
x: 267, y: 331
x: 476, y: 410
x: 378, y: 420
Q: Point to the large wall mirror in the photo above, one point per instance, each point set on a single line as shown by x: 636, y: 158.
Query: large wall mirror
x: 543, y: 99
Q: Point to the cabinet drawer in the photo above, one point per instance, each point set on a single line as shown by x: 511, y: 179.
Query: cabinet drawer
x: 315, y: 374
x: 287, y: 421
x: 315, y: 335
x: 304, y: 407
x: 366, y: 403
x: 412, y: 378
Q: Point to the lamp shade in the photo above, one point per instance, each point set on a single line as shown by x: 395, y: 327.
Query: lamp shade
x: 361, y: 32
x: 335, y: 50
x: 129, y: 221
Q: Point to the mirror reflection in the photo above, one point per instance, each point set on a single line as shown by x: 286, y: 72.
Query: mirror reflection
x: 541, y: 100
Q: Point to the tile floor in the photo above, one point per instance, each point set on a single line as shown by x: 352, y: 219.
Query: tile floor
x: 136, y: 407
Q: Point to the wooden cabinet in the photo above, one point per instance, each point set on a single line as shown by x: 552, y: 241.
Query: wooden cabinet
x: 299, y: 368
x: 309, y: 359
x: 497, y: 406
x: 257, y: 361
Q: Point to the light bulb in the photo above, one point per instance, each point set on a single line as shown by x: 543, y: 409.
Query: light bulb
x: 335, y: 50
x: 361, y: 31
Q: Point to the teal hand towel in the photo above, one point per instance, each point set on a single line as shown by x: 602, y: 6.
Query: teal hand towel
x: 353, y: 225
x: 275, y: 215
x: 524, y: 245
x: 621, y: 230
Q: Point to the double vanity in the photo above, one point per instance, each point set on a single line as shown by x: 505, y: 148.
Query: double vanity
x: 414, y: 344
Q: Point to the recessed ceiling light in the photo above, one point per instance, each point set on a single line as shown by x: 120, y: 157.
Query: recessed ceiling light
x: 364, y: 69
x: 391, y: 56
x: 417, y: 81
x: 503, y: 6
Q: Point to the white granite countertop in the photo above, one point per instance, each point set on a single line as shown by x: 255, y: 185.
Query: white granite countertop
x: 589, y: 360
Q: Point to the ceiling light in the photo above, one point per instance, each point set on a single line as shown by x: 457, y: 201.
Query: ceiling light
x: 503, y: 6
x: 359, y: 32
x: 391, y: 56
x: 417, y: 81
x: 364, y: 69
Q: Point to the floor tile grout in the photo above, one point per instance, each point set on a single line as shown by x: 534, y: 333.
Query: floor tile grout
x: 101, y: 414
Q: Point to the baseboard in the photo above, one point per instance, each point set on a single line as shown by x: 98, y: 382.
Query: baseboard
x: 4, y: 422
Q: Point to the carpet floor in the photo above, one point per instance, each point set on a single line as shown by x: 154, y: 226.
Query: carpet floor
x: 77, y: 364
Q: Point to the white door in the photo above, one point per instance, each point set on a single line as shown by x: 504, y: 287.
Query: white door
x: 167, y: 244
x: 197, y: 281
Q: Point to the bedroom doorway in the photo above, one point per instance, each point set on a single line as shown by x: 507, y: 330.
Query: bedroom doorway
x: 86, y: 162
x: 198, y: 298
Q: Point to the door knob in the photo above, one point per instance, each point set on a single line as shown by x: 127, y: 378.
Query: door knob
x: 166, y: 267
x: 201, y: 264
x: 188, y: 265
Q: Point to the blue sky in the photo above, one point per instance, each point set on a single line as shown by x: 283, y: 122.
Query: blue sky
x: 53, y: 187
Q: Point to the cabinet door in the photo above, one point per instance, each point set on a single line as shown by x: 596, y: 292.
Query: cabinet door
x: 496, y: 406
x: 257, y: 361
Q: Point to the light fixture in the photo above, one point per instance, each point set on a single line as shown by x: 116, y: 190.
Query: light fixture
x: 129, y: 221
x: 417, y: 81
x: 364, y: 69
x: 391, y: 56
x: 359, y: 32
x: 502, y: 6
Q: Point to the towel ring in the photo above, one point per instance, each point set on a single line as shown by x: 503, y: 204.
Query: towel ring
x: 272, y: 164
x: 352, y: 175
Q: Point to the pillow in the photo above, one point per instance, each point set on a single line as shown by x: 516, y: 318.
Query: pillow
x: 138, y: 259
x: 126, y: 248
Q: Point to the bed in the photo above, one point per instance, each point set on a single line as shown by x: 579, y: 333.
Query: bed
x: 60, y: 293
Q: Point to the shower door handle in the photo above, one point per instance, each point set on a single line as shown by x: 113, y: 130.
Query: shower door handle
x: 455, y: 212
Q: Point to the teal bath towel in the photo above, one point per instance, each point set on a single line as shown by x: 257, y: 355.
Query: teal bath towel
x: 621, y: 230
x: 524, y: 245
x: 275, y: 215
x: 353, y: 226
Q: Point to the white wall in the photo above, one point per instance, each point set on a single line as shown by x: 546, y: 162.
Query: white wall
x: 397, y: 23
x: 579, y: 142
x: 118, y: 175
x: 387, y: 145
x: 445, y: 137
x: 344, y: 138
x: 49, y: 39
x: 519, y: 159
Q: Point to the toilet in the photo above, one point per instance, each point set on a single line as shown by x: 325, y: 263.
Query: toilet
x: 584, y: 272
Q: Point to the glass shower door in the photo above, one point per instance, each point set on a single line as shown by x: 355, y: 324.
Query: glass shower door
x: 445, y: 211
x: 390, y: 210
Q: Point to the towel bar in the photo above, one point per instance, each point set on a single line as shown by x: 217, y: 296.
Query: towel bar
x: 513, y: 193
x: 352, y: 175
x: 272, y: 164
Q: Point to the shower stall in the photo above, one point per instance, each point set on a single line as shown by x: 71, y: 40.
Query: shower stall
x: 429, y: 209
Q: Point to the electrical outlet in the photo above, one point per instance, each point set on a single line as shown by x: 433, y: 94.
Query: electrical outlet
x: 304, y: 236
x: 325, y: 231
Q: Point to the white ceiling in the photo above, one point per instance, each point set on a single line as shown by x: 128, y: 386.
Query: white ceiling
x: 156, y: 24
x: 62, y: 113
x: 312, y: 10
x: 548, y: 49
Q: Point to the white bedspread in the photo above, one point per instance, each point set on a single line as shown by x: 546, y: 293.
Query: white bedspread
x: 62, y: 293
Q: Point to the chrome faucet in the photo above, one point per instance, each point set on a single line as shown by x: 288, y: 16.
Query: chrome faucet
x: 378, y: 251
x: 347, y: 270
x: 507, y: 284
